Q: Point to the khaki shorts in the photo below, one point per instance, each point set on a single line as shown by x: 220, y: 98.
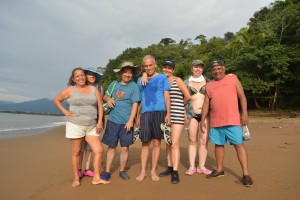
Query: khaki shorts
x: 78, y: 131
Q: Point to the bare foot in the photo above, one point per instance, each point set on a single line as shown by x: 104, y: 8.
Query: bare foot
x: 154, y: 176
x: 75, y: 183
x: 141, y: 177
x: 101, y: 181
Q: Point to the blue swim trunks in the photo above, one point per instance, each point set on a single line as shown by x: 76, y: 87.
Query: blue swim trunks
x: 115, y: 132
x: 220, y: 135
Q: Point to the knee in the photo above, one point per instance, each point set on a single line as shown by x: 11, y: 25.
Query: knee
x: 124, y: 149
x: 98, y: 151
x: 76, y: 152
x: 192, y: 142
x: 203, y: 141
x: 156, y: 143
x: 175, y: 145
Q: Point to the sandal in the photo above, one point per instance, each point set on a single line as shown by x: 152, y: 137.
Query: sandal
x: 190, y: 171
x: 167, y: 133
x: 136, y: 135
x: 203, y: 170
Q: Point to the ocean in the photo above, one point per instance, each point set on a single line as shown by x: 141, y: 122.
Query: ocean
x: 14, y: 125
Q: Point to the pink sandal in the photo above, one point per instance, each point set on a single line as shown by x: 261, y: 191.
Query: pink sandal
x: 203, y: 171
x: 190, y: 171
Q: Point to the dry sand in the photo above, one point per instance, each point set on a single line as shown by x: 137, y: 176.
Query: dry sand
x: 39, y: 167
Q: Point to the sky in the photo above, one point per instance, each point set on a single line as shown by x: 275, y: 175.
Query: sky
x: 41, y: 41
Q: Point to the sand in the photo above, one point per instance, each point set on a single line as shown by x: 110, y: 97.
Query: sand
x: 39, y: 167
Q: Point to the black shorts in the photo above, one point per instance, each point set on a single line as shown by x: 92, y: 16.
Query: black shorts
x: 150, y: 125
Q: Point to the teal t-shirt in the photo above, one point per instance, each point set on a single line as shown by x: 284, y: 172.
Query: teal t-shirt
x: 125, y: 96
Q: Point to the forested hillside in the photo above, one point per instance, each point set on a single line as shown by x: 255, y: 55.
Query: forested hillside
x: 265, y: 55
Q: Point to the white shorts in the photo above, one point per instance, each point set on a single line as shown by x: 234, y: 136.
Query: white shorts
x: 78, y: 131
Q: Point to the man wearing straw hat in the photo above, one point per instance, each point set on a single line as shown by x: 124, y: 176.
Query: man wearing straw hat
x: 123, y: 100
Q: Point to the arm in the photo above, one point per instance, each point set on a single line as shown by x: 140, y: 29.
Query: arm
x: 65, y: 94
x: 184, y: 90
x: 243, y: 102
x: 101, y: 92
x: 110, y: 101
x: 168, y: 107
x: 134, y: 109
x: 138, y: 116
x: 99, y: 125
x: 205, y: 109
x: 144, y: 79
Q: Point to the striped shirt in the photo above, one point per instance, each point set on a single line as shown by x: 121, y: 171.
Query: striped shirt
x: 177, y: 104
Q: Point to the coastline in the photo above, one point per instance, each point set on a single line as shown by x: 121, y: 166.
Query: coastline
x: 39, y: 167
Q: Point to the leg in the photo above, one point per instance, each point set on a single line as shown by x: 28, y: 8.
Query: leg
x: 123, y: 158
x: 109, y: 158
x: 243, y: 157
x: 176, y: 133
x: 155, y: 157
x: 192, y: 148
x: 219, y: 153
x: 169, y: 155
x: 169, y: 170
x: 76, y: 149
x: 203, y: 149
x: 88, y: 158
x: 94, y: 142
x: 80, y: 163
x: 144, y: 158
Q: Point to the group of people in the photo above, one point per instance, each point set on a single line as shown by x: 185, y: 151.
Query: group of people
x: 160, y: 105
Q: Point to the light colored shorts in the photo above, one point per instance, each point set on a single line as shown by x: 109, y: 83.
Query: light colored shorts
x: 74, y: 131
x: 220, y: 135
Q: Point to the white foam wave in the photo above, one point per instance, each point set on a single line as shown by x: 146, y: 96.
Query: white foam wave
x: 32, y: 128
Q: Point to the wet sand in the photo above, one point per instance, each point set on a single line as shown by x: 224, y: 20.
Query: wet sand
x: 39, y: 167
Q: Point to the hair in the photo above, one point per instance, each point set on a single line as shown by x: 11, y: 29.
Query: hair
x: 71, y: 82
x: 149, y: 57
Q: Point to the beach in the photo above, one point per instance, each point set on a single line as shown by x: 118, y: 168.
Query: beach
x: 38, y: 167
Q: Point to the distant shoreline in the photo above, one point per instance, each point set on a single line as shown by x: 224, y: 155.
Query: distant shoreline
x: 30, y: 113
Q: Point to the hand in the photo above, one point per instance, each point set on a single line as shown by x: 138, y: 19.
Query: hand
x: 203, y: 127
x: 144, y: 79
x: 111, y: 102
x: 168, y: 119
x: 99, y: 127
x: 69, y: 114
x: 244, y: 120
x: 128, y: 126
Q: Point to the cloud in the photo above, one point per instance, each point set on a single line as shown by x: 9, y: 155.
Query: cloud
x: 42, y: 41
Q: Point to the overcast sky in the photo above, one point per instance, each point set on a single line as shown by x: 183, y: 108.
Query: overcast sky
x: 41, y: 41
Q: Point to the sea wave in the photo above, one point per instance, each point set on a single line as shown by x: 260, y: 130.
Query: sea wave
x: 32, y: 128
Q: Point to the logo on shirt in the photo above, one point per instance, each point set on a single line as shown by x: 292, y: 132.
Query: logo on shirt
x: 119, y: 95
